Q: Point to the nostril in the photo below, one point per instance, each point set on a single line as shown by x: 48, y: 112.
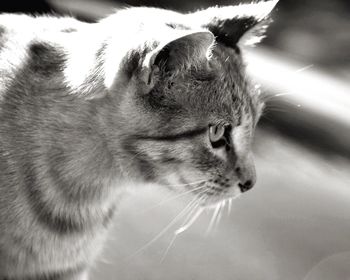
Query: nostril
x: 246, y: 186
x: 248, y: 183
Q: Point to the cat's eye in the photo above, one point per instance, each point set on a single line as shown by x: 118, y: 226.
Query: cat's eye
x: 219, y: 136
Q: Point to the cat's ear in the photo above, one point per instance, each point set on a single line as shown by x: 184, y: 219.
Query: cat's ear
x: 233, y: 26
x: 181, y: 51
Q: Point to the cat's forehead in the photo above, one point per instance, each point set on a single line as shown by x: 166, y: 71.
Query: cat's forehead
x: 218, y: 90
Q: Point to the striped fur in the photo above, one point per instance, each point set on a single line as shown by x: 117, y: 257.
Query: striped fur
x: 85, y: 108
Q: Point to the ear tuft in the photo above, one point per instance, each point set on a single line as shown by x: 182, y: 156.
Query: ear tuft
x: 233, y: 25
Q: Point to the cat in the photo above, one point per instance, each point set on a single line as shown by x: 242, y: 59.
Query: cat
x: 143, y: 96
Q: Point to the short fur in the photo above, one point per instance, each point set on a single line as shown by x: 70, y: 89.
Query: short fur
x: 85, y: 108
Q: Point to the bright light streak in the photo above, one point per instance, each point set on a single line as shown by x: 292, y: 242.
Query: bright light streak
x: 302, y: 85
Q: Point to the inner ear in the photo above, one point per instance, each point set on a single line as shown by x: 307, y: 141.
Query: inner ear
x: 187, y: 50
x: 230, y: 32
x: 162, y: 57
x: 191, y: 49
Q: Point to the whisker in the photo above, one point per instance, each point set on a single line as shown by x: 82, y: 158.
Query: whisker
x: 275, y: 105
x: 185, y: 225
x: 168, y: 248
x: 282, y: 94
x: 221, y: 207
x: 190, y: 222
x: 275, y: 109
x: 173, y: 198
x: 274, y: 97
x: 213, y: 218
x: 229, y: 208
x: 173, y: 221
x: 307, y: 67
x: 188, y: 216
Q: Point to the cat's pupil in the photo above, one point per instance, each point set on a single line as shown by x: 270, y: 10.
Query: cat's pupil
x: 219, y: 136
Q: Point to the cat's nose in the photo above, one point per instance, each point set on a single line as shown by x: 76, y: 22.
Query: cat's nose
x: 245, y: 171
x: 246, y: 186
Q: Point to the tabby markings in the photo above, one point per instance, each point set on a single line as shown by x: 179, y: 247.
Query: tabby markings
x: 46, y: 60
x: 45, y: 215
x: 2, y: 32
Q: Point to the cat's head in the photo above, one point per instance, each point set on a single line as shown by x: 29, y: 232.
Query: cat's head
x: 189, y: 109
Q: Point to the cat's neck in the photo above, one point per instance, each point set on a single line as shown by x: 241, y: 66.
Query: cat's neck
x: 83, y: 156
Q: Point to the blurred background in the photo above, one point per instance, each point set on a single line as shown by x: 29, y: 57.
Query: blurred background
x: 295, y: 224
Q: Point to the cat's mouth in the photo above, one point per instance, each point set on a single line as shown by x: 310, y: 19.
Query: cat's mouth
x: 217, y: 203
x: 206, y: 193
